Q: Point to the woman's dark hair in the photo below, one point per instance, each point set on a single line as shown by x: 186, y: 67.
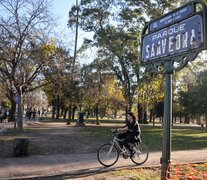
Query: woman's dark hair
x: 132, y: 115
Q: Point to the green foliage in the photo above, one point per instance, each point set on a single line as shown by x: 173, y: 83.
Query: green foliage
x: 59, y: 88
x: 100, y: 89
x: 194, y: 100
x: 150, y: 91
x: 5, y: 103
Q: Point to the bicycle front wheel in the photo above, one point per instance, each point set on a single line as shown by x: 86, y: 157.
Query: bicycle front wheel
x: 108, y: 155
x: 141, y: 154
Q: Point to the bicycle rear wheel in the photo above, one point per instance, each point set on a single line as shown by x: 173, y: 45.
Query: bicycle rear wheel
x: 141, y: 154
x: 108, y: 155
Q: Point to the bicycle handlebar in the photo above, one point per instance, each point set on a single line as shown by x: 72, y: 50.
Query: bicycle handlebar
x: 114, y: 131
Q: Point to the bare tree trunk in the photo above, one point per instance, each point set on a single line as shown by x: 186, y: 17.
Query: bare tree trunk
x: 151, y: 115
x: 12, y: 110
x: 153, y: 121
x: 187, y: 120
x: 180, y: 118
x: 140, y: 117
x: 73, y: 113
x: 20, y: 110
x: 145, y: 117
x: 97, y: 112
x: 73, y: 62
x: 20, y: 115
x: 198, y: 120
x: 58, y: 107
x: 115, y: 113
x: 126, y: 111
x: 53, y: 111
x: 65, y: 113
x: 69, y: 114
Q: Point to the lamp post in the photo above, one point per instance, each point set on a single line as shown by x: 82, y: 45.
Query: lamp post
x: 74, y: 59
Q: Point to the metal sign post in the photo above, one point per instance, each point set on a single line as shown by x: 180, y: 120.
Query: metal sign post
x: 166, y: 152
x: 168, y: 44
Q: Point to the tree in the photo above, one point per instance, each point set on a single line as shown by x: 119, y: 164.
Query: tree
x: 150, y: 92
x: 183, y: 82
x: 95, y: 76
x: 200, y: 91
x: 194, y: 100
x: 23, y: 47
x: 63, y: 94
x: 117, y: 25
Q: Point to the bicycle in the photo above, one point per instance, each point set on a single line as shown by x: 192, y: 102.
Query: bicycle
x: 108, y: 154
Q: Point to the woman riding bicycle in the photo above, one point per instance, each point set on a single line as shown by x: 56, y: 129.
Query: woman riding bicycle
x: 130, y: 131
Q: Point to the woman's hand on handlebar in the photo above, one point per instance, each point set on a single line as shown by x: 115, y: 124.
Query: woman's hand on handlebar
x: 113, y: 130
x: 117, y: 130
x: 122, y: 130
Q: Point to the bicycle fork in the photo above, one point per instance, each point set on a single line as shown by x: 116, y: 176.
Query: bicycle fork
x: 112, y: 145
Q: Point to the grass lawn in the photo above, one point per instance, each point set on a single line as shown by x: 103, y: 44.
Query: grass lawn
x: 183, y: 138
x: 136, y: 174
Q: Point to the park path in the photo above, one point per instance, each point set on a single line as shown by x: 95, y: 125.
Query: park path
x: 5, y: 126
x: 10, y: 125
x: 76, y: 164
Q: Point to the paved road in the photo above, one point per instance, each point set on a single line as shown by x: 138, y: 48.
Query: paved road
x: 71, y: 164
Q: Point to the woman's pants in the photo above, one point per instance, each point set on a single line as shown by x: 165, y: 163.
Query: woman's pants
x: 127, y: 138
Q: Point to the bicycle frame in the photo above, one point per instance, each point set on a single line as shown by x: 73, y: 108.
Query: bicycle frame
x: 115, y: 142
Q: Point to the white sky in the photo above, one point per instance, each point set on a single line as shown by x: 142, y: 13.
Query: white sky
x: 60, y: 8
